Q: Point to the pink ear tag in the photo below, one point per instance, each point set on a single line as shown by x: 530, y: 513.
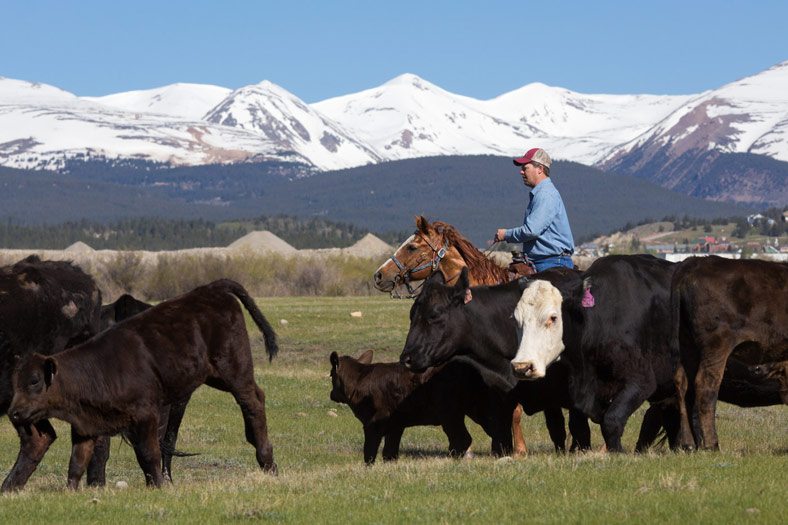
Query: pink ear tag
x: 588, y: 299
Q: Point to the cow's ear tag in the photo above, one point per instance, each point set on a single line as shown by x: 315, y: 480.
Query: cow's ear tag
x: 588, y: 299
x: 468, y: 296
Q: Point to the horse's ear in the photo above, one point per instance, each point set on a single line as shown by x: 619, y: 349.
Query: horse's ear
x: 365, y: 358
x: 422, y: 224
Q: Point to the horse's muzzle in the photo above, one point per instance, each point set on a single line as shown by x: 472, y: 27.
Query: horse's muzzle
x: 380, y: 284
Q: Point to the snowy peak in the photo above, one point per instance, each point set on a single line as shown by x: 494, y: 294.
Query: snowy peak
x: 23, y: 92
x: 189, y: 101
x: 273, y: 112
x: 409, y: 117
x: 745, y: 116
x: 683, y: 151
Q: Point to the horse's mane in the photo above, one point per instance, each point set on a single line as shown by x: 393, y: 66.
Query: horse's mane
x: 481, y: 269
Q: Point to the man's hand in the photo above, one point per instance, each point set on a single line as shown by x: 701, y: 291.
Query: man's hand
x: 500, y: 235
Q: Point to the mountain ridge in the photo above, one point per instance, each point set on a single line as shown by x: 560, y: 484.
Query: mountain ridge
x: 673, y: 140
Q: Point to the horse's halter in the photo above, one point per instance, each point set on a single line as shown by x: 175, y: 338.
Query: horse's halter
x: 404, y: 275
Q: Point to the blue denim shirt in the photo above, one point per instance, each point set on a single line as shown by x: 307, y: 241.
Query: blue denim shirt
x: 545, y: 231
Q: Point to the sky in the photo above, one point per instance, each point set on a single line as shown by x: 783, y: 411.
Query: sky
x: 319, y: 50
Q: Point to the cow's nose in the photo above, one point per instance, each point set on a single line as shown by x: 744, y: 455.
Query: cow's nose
x: 15, y: 416
x: 406, y: 360
x: 524, y: 369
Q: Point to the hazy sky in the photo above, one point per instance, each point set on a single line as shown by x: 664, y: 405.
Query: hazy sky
x: 318, y: 50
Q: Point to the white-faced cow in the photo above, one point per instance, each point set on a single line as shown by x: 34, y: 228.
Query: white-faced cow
x: 477, y: 323
x: 612, y: 329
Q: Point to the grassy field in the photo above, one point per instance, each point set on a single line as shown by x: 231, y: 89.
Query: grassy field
x: 317, y: 445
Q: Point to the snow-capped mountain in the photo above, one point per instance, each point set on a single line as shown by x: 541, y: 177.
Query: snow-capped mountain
x: 189, y: 101
x: 409, y: 117
x: 43, y: 127
x: 748, y: 116
x: 578, y: 126
x: 285, y: 120
x: 676, y: 141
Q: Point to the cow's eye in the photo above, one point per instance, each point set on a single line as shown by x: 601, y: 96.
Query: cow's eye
x: 34, y: 380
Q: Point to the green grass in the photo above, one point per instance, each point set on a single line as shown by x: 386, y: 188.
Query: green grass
x: 317, y: 445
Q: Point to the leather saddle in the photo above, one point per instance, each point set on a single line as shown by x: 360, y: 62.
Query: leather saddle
x: 521, y: 266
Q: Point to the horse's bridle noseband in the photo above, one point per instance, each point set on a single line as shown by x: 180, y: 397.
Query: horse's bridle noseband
x: 405, y: 274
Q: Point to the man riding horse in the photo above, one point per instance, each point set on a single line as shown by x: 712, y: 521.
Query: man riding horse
x: 545, y: 233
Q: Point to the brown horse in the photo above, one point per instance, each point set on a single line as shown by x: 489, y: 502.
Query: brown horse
x: 440, y: 247
x: 436, y: 246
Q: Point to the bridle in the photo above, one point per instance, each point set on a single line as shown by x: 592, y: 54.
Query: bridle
x: 404, y: 275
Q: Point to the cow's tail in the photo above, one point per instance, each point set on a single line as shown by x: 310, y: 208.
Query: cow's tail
x: 259, y: 319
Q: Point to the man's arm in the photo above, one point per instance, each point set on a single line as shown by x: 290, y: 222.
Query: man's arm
x: 542, y: 215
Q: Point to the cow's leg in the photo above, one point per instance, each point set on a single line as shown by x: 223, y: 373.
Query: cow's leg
x: 707, y: 387
x: 518, y: 440
x: 459, y: 438
x: 145, y: 438
x: 97, y: 467
x: 581, y: 433
x: 391, y: 443
x: 616, y: 415
x: 556, y: 427
x: 649, y: 428
x: 671, y: 422
x: 34, y: 441
x: 175, y: 414
x: 496, y: 422
x: 81, y: 453
x: 684, y: 400
x: 372, y: 438
x: 251, y: 399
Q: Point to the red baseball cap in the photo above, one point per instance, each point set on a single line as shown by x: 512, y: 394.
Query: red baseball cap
x: 534, y: 155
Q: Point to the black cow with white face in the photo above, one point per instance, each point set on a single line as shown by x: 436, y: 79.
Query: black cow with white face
x: 478, y: 323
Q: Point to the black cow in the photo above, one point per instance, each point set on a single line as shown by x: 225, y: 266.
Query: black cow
x: 721, y: 308
x: 167, y: 352
x: 124, y: 307
x: 45, y: 306
x: 478, y: 323
x: 612, y: 329
x: 387, y: 398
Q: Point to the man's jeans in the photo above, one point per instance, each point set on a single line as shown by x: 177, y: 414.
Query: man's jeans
x: 551, y: 262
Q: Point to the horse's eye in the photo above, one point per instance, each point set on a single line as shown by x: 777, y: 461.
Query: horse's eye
x: 412, y: 248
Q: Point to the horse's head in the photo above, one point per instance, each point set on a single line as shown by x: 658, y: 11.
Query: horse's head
x: 416, y: 259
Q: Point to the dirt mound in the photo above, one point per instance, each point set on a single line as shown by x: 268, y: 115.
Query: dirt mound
x: 370, y: 246
x: 262, y: 241
x: 79, y: 247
